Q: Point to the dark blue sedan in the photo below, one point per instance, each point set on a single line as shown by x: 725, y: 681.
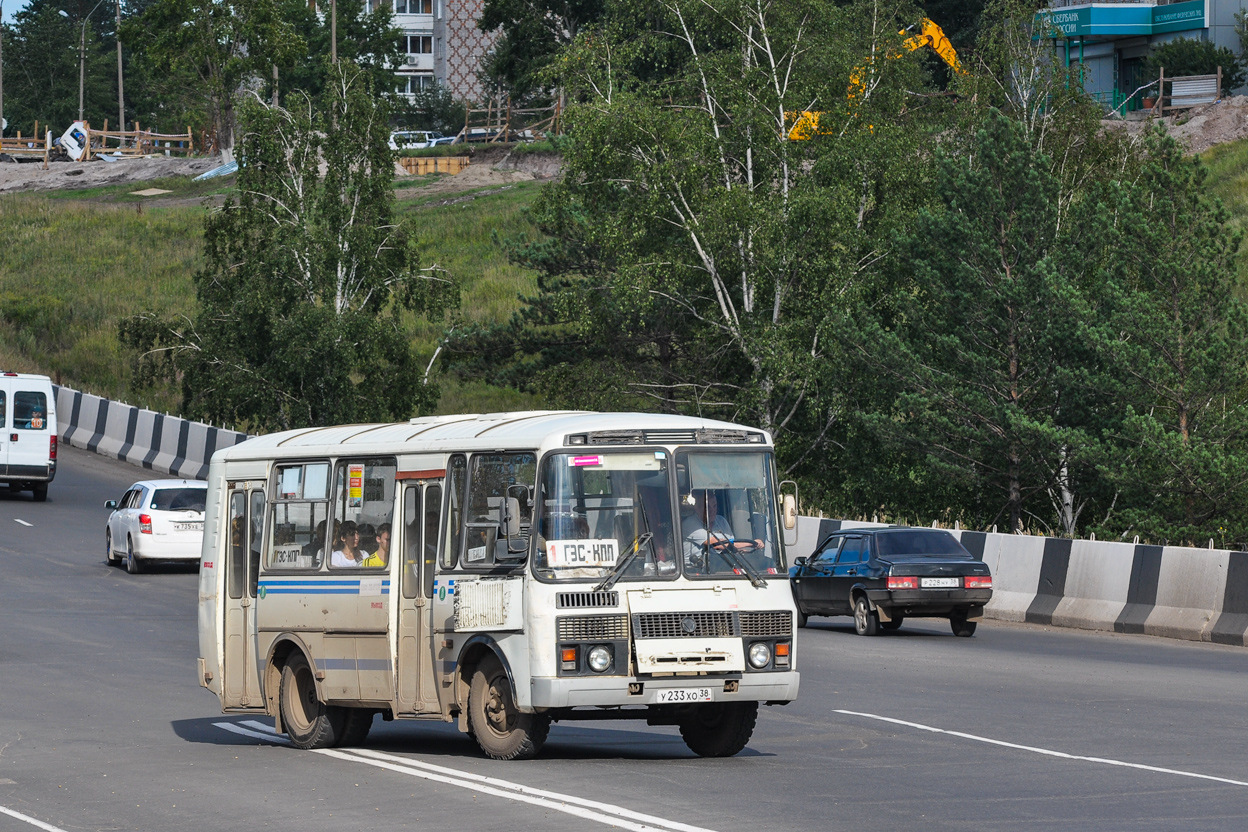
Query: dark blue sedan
x: 883, y: 576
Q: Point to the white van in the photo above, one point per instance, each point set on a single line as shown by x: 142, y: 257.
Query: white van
x: 27, y: 433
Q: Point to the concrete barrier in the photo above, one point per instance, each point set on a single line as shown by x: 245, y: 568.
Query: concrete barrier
x: 1173, y: 592
x: 155, y: 441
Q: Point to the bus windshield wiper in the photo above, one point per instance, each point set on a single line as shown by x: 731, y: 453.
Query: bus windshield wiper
x: 730, y: 554
x: 623, y: 563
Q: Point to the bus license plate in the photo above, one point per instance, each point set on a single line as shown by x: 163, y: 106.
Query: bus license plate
x: 684, y: 695
x: 188, y: 527
x: 940, y: 583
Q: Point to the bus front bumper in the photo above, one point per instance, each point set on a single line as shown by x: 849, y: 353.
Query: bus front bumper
x: 588, y: 691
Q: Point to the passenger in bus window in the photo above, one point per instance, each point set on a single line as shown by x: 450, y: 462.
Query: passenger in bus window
x: 382, y: 555
x: 347, y: 551
x: 316, y: 546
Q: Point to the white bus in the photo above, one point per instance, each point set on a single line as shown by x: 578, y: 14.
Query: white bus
x: 502, y: 571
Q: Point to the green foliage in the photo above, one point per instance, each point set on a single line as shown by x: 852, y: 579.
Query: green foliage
x: 70, y: 271
x: 211, y: 48
x: 433, y: 108
x: 530, y: 35
x: 41, y: 68
x: 1188, y: 56
x: 1174, y: 332
x: 305, y: 280
x: 692, y: 253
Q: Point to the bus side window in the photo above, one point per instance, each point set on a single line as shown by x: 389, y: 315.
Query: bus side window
x: 363, y: 509
x: 300, y: 508
x: 433, y: 513
x: 496, y: 479
x: 238, y: 543
x: 411, y: 541
x: 456, y: 479
x: 256, y: 521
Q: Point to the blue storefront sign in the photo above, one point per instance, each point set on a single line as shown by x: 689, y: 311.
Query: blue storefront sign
x: 1120, y: 20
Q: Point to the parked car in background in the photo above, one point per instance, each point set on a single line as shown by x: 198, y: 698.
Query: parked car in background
x: 883, y: 576
x: 417, y: 139
x: 27, y: 433
x: 156, y: 520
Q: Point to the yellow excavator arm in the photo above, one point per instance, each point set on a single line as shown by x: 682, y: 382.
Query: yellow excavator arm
x: 806, y: 123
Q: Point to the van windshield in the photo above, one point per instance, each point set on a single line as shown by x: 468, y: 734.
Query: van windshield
x: 179, y: 499
x: 595, y: 508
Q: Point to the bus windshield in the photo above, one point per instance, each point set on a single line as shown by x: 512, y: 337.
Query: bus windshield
x: 597, y: 508
x: 727, y: 514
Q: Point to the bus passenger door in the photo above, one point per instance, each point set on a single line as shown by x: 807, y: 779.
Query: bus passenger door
x: 244, y: 534
x: 422, y: 510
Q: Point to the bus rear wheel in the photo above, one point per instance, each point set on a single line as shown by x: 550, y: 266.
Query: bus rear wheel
x: 308, y: 722
x: 721, y: 729
x: 500, y: 729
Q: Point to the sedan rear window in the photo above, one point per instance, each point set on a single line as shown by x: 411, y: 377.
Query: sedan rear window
x: 179, y: 499
x: 920, y: 544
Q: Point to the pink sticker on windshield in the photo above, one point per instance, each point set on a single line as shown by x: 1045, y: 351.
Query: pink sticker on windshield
x: 585, y: 460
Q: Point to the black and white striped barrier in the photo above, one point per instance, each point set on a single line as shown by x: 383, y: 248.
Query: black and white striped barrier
x: 158, y: 442
x: 1171, y: 591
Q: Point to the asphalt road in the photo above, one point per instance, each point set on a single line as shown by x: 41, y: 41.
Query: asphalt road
x: 103, y: 727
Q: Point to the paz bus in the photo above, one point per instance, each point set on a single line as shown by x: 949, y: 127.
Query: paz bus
x: 500, y: 571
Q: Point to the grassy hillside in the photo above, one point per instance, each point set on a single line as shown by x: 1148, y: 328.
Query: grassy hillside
x: 1228, y: 180
x: 74, y: 263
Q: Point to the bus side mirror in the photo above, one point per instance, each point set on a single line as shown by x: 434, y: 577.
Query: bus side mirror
x: 790, y: 512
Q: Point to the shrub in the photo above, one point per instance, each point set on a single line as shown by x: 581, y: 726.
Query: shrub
x: 1186, y: 56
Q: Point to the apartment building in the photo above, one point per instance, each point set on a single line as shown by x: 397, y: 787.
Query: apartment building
x: 1111, y: 39
x: 442, y: 44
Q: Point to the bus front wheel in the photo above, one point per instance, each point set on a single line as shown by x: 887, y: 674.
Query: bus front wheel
x: 308, y: 722
x: 720, y: 729
x: 502, y: 731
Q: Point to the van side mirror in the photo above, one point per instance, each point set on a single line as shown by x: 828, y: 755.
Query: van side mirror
x: 110, y: 504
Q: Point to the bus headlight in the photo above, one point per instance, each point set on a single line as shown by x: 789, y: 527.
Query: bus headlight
x: 760, y: 655
x: 599, y: 658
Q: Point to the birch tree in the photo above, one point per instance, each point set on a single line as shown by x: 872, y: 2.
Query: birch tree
x: 693, y: 251
x: 308, y: 277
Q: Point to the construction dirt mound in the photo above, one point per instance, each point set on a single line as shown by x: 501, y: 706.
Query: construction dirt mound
x: 1201, y: 127
x: 30, y: 176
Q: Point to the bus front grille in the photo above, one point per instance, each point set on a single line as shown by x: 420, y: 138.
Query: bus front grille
x: 583, y: 600
x: 767, y: 624
x: 592, y: 627
x: 686, y: 625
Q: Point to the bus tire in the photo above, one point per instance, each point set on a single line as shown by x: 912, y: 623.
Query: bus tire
x: 355, y: 726
x: 720, y: 729
x: 309, y: 722
x: 500, y: 729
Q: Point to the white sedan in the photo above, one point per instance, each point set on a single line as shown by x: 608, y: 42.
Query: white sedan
x: 156, y: 520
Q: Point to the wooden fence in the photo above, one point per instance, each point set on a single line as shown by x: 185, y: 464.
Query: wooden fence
x: 1188, y: 91
x: 139, y: 142
x: 423, y: 165
x: 27, y: 146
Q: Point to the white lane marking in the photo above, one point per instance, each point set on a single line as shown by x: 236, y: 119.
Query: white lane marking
x: 1045, y: 751
x: 28, y: 819
x: 24, y: 523
x: 590, y: 810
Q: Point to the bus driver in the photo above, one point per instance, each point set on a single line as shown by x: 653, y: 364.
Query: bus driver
x: 704, y: 513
